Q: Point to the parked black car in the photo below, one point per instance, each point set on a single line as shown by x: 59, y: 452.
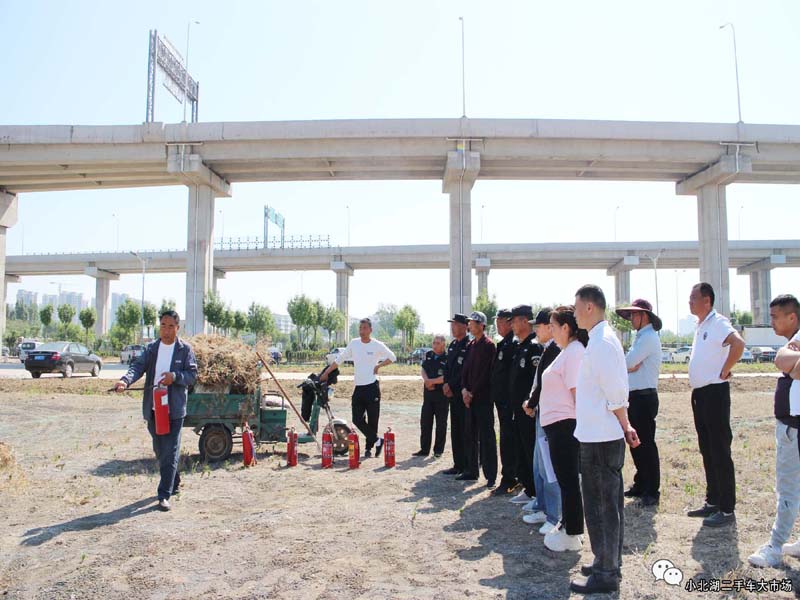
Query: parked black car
x: 62, y: 357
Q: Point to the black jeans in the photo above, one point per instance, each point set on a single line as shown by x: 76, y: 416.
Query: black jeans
x: 434, y: 406
x: 711, y: 406
x: 525, y: 442
x: 642, y: 412
x: 480, y: 442
x: 508, y: 454
x: 457, y: 410
x: 601, y: 479
x: 167, y: 449
x: 366, y: 405
x: 565, y: 454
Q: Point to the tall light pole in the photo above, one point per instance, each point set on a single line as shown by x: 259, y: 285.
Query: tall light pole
x: 736, y: 65
x: 186, y: 71
x: 482, y: 207
x: 115, y: 216
x: 221, y: 228
x: 740, y: 221
x: 144, y: 266
x: 654, y: 260
x: 348, y: 225
x: 463, y: 73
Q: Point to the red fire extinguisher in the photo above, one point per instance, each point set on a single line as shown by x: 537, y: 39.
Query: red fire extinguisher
x: 161, y: 408
x: 388, y: 448
x: 327, y: 449
x: 291, y: 448
x: 248, y: 446
x: 355, y: 448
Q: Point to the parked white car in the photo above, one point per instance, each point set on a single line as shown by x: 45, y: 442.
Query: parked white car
x: 130, y: 353
x: 682, y: 354
x: 27, y: 346
x: 666, y: 355
x: 333, y: 356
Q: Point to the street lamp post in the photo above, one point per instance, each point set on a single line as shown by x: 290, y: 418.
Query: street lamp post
x: 463, y: 73
x: 186, y: 71
x: 221, y: 229
x: 144, y: 267
x: 654, y: 260
x: 736, y: 65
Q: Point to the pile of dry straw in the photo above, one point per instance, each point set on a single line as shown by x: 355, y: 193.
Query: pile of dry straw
x: 225, y: 365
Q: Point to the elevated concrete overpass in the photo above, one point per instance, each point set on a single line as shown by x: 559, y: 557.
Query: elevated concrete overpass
x: 616, y: 258
x: 701, y: 158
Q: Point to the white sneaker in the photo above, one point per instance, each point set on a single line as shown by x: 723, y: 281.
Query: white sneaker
x: 766, y: 556
x: 530, y: 506
x: 559, y: 540
x: 547, y: 527
x: 792, y: 549
x: 521, y: 498
x: 534, y: 518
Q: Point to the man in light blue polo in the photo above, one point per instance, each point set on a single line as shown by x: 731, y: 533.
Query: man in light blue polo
x: 644, y: 362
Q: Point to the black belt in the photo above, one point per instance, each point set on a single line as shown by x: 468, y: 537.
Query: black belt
x: 646, y: 392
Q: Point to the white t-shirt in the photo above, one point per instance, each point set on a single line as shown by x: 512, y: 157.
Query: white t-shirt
x: 365, y: 357
x: 164, y: 360
x: 708, y: 354
x: 794, y: 390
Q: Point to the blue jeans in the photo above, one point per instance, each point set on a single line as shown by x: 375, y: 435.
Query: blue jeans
x: 548, y: 494
x: 167, y: 449
x: 787, y: 480
x: 601, y: 480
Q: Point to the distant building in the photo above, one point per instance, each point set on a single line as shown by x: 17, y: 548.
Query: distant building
x: 27, y: 298
x: 117, y: 300
x: 75, y: 300
x: 283, y: 323
x: 50, y: 300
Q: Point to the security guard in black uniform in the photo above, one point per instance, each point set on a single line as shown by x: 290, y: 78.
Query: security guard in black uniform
x: 523, y: 371
x: 501, y: 369
x: 434, y: 403
x: 456, y: 357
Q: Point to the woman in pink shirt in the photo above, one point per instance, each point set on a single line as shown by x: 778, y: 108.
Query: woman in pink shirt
x: 557, y: 406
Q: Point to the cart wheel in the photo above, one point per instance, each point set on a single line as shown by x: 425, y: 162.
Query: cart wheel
x: 216, y: 443
x: 341, y: 446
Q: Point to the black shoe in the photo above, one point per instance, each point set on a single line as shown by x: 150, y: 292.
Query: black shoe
x: 437, y: 455
x: 176, y: 490
x: 594, y: 585
x: 632, y: 492
x: 500, y: 490
x: 587, y: 570
x: 719, y: 519
x: 490, y: 484
x: 467, y: 477
x: 452, y: 471
x: 367, y: 453
x: 420, y: 453
x: 705, y: 511
x: 378, y: 447
x: 648, y: 500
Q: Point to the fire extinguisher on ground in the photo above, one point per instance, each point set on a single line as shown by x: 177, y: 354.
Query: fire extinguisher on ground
x: 161, y: 409
x: 327, y: 449
x: 355, y: 448
x: 248, y: 446
x: 291, y: 448
x: 389, y: 449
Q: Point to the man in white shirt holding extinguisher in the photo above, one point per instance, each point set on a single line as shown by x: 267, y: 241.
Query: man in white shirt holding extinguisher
x: 170, y: 362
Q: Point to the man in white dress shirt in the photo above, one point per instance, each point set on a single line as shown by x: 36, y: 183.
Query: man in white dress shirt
x: 368, y: 356
x: 602, y: 428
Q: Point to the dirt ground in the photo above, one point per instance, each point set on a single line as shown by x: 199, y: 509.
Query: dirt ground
x: 79, y: 522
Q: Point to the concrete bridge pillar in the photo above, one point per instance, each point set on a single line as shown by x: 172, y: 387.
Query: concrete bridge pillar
x: 8, y: 218
x: 712, y: 221
x: 482, y: 267
x: 760, y: 295
x: 199, y: 257
x: 102, y: 296
x: 622, y: 287
x: 343, y: 273
x: 461, y: 171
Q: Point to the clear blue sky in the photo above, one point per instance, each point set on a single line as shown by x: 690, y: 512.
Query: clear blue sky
x: 85, y: 63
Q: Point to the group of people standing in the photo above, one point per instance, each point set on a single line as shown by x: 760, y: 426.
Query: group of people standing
x: 568, y: 399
